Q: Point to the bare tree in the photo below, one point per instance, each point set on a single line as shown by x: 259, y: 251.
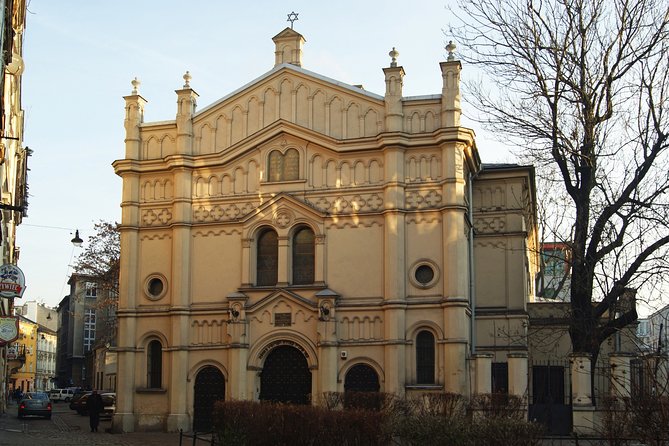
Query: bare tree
x: 100, y: 260
x: 582, y: 86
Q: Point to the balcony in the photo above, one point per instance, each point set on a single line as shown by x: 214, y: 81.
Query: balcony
x: 16, y: 357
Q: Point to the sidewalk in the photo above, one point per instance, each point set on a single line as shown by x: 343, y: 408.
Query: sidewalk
x: 66, y: 428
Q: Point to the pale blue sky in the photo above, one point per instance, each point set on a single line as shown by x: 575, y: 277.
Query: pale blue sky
x: 81, y: 55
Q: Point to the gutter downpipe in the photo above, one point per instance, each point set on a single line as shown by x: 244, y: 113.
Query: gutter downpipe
x: 472, y: 286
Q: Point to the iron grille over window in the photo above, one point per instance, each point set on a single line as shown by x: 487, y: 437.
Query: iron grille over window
x: 500, y: 377
x: 303, y: 257
x: 154, y: 362
x: 425, y: 358
x: 268, y: 258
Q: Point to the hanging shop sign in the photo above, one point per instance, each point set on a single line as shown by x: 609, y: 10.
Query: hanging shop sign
x: 12, y: 281
x: 9, y: 329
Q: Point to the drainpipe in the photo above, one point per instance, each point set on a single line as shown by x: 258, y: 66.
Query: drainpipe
x: 472, y: 286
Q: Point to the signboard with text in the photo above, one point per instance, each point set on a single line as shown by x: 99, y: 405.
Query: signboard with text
x: 12, y: 281
x: 9, y: 329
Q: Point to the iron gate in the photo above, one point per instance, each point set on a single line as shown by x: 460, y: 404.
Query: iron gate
x: 209, y: 388
x: 285, y: 377
x: 550, y: 400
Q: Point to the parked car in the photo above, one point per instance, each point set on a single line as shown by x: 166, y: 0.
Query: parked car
x: 108, y: 401
x: 75, y: 402
x: 35, y: 403
x: 62, y: 394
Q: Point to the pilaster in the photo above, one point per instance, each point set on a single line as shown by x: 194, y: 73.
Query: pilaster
x: 621, y: 376
x: 134, y: 116
x: 483, y: 376
x: 186, y: 104
x: 450, y: 93
x: 518, y: 373
x: 394, y: 76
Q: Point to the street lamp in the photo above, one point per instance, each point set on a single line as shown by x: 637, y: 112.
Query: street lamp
x: 77, y: 241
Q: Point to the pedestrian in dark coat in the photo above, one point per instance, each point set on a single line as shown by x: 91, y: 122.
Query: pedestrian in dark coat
x: 94, y: 405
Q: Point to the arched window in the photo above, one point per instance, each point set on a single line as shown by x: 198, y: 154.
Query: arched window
x: 268, y: 258
x: 425, y: 358
x: 303, y: 256
x: 154, y: 363
x: 283, y: 167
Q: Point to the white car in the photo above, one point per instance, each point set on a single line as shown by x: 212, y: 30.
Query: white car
x: 62, y: 394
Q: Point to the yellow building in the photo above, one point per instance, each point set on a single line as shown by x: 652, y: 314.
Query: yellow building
x: 302, y: 236
x: 24, y: 377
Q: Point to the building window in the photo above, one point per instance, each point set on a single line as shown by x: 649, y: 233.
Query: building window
x: 268, y: 258
x: 283, y: 166
x: 303, y: 257
x: 500, y: 377
x: 425, y: 358
x: 91, y: 289
x: 154, y: 361
x: 89, y: 329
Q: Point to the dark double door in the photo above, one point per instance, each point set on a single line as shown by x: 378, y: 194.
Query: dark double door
x: 285, y: 377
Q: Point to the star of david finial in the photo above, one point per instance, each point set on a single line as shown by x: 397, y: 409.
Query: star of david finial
x: 292, y: 18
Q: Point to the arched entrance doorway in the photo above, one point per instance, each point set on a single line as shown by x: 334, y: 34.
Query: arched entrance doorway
x: 285, y: 376
x: 360, y: 388
x: 209, y: 388
x: 361, y: 378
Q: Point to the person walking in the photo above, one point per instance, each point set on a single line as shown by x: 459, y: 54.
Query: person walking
x: 94, y: 406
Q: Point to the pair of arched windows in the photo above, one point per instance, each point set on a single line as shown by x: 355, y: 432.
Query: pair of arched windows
x: 267, y: 259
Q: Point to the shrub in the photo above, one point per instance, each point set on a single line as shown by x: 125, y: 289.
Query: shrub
x: 252, y: 423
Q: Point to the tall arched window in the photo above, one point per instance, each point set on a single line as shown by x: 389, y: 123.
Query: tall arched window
x: 267, y: 262
x: 303, y: 256
x: 154, y: 365
x: 425, y: 358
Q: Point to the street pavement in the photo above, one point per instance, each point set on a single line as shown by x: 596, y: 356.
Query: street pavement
x: 67, y: 428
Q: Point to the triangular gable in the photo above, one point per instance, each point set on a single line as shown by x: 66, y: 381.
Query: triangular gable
x: 281, y: 203
x: 291, y: 94
x: 282, y: 294
x: 287, y: 32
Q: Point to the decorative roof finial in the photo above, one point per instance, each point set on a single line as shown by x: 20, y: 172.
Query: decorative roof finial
x: 393, y: 56
x: 135, y: 85
x: 292, y: 17
x: 451, y: 50
x: 187, y: 78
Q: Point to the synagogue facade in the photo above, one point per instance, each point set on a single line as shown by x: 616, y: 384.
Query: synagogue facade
x: 302, y: 236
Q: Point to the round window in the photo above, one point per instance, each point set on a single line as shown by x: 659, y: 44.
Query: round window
x: 155, y: 286
x: 424, y: 274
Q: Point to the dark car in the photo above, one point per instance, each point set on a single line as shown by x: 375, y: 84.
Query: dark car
x: 35, y: 403
x: 75, y: 403
x: 108, y: 401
